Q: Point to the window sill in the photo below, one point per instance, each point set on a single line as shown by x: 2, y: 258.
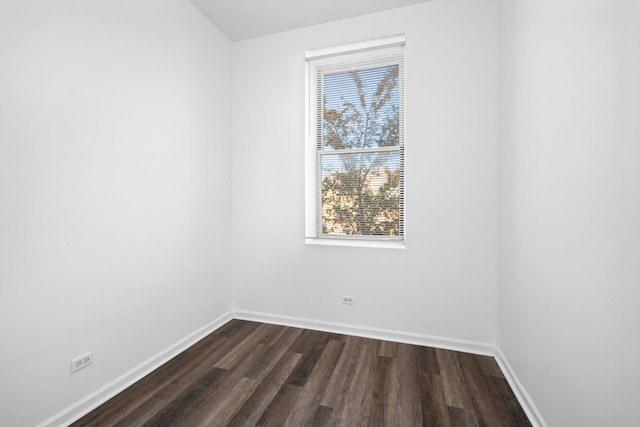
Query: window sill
x: 356, y: 243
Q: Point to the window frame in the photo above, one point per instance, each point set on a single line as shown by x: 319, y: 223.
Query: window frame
x: 348, y: 57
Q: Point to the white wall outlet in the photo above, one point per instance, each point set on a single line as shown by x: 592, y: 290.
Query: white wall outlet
x: 81, y: 362
x: 348, y: 300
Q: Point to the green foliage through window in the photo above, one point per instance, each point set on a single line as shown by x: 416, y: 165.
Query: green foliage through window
x: 359, y: 154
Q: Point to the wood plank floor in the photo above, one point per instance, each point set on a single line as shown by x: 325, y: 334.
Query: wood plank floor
x: 254, y: 374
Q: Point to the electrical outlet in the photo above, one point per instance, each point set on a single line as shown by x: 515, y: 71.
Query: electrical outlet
x: 81, y: 362
x: 349, y: 300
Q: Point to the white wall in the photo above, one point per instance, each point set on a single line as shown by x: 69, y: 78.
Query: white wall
x: 114, y: 194
x: 116, y: 183
x: 569, y: 281
x: 444, y: 283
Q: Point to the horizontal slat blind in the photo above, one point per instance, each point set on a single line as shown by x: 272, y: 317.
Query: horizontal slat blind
x: 355, y: 142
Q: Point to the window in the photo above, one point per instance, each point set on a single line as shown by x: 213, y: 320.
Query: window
x: 355, y: 143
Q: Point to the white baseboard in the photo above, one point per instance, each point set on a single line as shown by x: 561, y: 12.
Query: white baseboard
x: 521, y: 394
x: 474, y: 347
x: 100, y: 396
x: 106, y: 392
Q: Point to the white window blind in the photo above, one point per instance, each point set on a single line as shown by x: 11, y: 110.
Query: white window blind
x: 355, y: 141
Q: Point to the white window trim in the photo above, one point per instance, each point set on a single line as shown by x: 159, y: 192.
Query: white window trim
x: 389, y: 41
x: 356, y: 243
x: 311, y: 183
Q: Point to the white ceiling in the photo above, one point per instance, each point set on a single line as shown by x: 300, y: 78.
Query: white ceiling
x: 244, y: 19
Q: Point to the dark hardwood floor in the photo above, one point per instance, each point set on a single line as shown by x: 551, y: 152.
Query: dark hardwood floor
x: 248, y: 373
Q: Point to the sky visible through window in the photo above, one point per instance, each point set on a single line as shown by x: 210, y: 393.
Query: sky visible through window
x: 367, y: 99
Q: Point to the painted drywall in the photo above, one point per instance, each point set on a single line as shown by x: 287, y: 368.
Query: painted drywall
x: 248, y: 19
x: 114, y: 194
x: 444, y: 282
x: 569, y: 216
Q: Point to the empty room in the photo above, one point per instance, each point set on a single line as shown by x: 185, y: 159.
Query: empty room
x: 356, y: 212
